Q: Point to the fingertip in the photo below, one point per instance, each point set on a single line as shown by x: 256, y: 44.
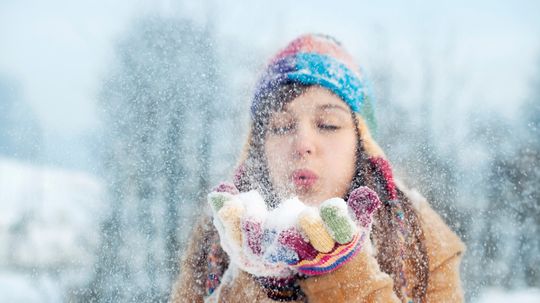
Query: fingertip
x: 226, y: 187
x: 312, y: 225
x: 217, y: 200
x: 335, y: 215
x: 230, y: 215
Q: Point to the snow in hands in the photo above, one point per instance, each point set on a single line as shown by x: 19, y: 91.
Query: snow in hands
x: 294, y: 237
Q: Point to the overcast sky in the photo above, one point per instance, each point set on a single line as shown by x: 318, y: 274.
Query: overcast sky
x: 58, y: 51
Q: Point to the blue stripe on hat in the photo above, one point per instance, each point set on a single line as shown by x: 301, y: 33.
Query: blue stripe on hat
x: 322, y: 70
x: 312, y: 68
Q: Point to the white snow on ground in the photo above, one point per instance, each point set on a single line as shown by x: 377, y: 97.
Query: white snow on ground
x: 49, y: 230
x: 495, y: 295
x: 26, y: 288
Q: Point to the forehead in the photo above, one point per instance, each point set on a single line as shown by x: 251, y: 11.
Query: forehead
x: 316, y: 99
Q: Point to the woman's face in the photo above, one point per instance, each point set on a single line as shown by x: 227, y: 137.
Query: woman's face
x: 310, y: 147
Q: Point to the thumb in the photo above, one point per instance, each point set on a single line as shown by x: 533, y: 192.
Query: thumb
x: 363, y: 202
x: 225, y: 187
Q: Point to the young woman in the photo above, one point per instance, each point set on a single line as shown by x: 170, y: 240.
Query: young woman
x: 310, y: 138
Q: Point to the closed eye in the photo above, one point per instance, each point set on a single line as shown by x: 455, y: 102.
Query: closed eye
x: 328, y: 127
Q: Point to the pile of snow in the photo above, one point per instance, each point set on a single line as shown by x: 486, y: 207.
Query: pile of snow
x: 49, y: 229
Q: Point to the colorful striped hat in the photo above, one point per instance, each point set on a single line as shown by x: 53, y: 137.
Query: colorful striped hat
x: 315, y: 59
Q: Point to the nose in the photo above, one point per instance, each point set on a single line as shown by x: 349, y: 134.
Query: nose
x: 304, y: 142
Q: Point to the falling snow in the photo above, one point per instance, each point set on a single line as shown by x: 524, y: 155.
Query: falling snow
x: 106, y: 163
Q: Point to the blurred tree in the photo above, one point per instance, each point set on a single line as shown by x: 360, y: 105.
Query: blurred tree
x: 20, y: 134
x: 525, y: 176
x: 159, y: 108
x: 512, y: 216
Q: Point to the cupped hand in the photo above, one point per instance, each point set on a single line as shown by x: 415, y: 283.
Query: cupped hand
x: 294, y: 238
x: 327, y: 237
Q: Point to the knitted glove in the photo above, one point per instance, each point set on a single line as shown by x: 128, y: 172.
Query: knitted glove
x: 293, y: 237
x: 240, y: 221
x: 328, y: 237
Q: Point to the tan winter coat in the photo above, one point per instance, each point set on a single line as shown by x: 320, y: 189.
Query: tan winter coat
x: 361, y: 280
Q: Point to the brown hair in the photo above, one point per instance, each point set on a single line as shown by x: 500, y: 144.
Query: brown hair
x: 385, y: 233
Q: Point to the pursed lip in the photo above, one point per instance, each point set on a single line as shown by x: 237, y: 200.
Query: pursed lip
x: 304, y: 178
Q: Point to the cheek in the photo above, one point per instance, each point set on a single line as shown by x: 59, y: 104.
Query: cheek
x: 276, y: 157
x: 342, y: 164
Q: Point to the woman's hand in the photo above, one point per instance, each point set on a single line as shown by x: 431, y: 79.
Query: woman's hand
x: 241, y: 221
x: 314, y: 241
x: 328, y: 237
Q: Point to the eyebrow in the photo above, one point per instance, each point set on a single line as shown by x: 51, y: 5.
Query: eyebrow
x: 333, y: 106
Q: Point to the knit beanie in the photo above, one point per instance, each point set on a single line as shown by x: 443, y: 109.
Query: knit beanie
x: 315, y: 59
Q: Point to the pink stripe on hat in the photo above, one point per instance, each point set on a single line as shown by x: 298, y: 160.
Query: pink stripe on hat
x: 320, y: 44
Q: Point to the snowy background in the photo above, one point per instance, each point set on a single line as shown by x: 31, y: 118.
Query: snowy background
x: 116, y: 117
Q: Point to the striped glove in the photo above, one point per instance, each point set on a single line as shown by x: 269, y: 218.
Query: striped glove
x: 294, y: 237
x: 328, y: 237
x: 241, y: 222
